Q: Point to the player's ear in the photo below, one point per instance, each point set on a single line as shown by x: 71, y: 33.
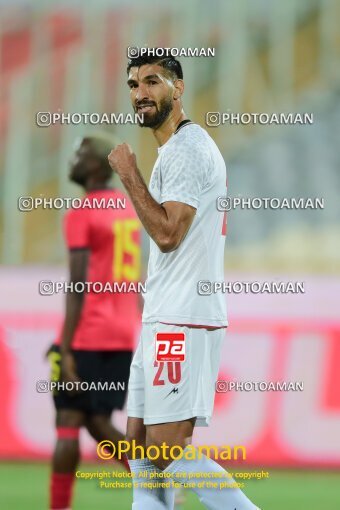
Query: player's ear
x: 179, y: 89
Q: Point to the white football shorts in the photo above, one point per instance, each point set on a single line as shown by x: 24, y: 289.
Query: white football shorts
x: 169, y: 391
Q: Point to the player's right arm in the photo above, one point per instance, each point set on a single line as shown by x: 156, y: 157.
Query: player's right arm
x: 74, y: 304
x: 166, y: 223
x: 77, y: 240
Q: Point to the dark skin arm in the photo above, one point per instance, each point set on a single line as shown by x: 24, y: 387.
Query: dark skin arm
x: 74, y: 303
x: 167, y: 224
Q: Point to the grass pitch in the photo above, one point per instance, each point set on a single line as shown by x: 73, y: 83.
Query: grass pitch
x: 25, y: 485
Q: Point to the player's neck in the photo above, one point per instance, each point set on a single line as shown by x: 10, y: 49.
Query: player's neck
x: 167, y: 129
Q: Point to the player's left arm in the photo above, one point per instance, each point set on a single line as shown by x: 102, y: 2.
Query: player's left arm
x: 167, y: 223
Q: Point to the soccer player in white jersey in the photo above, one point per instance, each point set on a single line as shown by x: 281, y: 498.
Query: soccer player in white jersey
x: 187, y: 237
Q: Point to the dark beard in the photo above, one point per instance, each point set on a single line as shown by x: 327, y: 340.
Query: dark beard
x: 156, y: 120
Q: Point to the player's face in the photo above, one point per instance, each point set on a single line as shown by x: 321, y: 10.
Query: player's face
x: 79, y: 165
x: 151, y: 93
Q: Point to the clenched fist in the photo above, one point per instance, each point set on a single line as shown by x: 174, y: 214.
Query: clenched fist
x: 122, y: 160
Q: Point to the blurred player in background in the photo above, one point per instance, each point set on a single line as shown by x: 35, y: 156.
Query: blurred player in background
x: 98, y: 334
x: 167, y: 399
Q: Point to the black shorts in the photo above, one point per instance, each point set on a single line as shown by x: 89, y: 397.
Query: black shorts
x: 107, y: 374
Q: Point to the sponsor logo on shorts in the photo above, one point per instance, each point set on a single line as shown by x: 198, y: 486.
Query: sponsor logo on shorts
x: 170, y: 346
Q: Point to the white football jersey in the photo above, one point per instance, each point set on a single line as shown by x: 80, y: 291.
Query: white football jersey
x: 189, y: 169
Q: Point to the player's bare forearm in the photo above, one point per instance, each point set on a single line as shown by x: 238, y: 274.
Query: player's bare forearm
x: 74, y: 304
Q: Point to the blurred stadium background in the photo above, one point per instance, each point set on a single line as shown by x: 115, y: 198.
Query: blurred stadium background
x: 271, y: 56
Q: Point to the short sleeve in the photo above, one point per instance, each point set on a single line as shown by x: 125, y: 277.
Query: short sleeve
x: 184, y: 169
x: 76, y: 229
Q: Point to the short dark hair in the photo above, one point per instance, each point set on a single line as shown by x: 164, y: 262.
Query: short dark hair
x: 172, y: 65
